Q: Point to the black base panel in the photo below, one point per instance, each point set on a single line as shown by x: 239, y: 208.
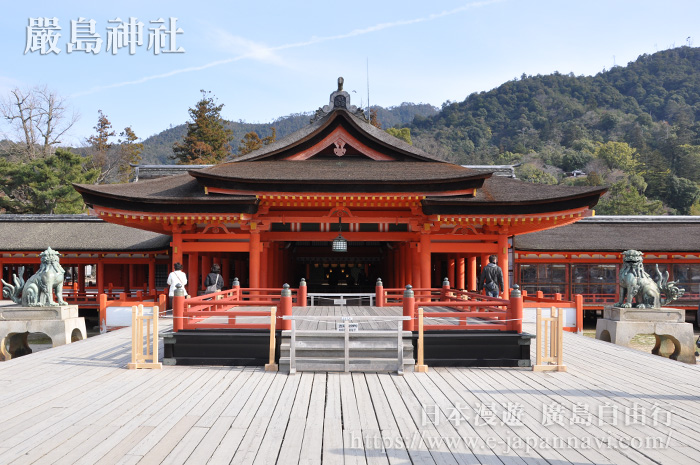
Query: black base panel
x: 475, y: 348
x: 234, y: 347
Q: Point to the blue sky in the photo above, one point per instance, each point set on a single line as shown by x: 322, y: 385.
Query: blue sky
x: 268, y: 59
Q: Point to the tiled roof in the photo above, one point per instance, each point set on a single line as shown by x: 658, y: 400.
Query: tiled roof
x: 340, y: 170
x: 502, y: 190
x: 382, y: 137
x: 616, y: 234
x: 67, y: 233
x: 167, y: 189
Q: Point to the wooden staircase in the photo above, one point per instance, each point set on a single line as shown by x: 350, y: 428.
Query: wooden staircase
x: 325, y: 350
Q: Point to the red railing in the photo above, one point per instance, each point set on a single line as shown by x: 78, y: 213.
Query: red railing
x: 124, y: 300
x: 224, y: 309
x: 545, y: 302
x: 492, y: 313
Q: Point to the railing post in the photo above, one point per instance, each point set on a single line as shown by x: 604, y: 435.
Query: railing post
x: 445, y: 288
x: 285, y: 306
x: 272, y: 366
x: 516, y: 310
x: 379, y: 293
x: 236, y: 287
x: 103, y: 313
x: 409, y: 303
x: 578, y: 299
x: 301, y: 295
x: 178, y: 308
x: 162, y: 303
x: 421, y: 367
x: 540, y: 295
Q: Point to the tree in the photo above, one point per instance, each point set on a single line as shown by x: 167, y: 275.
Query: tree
x: 404, y: 134
x: 100, y: 148
x: 207, y: 140
x: 40, y: 119
x: 130, y: 151
x: 682, y: 194
x: 374, y: 119
x: 44, y: 185
x: 617, y: 155
x: 624, y: 199
x: 535, y: 175
x: 251, y: 141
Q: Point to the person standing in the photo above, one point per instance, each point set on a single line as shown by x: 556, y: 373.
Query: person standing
x: 176, y: 277
x: 491, y: 278
x: 214, y: 281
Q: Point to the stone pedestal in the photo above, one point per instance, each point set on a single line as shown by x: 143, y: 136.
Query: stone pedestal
x: 620, y: 325
x: 61, y: 324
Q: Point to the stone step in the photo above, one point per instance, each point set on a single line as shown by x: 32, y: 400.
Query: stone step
x: 340, y: 334
x: 338, y: 364
x: 330, y: 344
x: 335, y: 353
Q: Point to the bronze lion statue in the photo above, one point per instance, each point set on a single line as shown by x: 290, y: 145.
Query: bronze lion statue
x: 636, y: 284
x: 39, y: 289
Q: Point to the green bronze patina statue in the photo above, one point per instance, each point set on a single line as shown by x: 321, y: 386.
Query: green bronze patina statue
x: 636, y: 284
x: 38, y: 290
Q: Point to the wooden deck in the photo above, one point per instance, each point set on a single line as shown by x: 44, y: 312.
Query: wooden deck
x: 77, y: 404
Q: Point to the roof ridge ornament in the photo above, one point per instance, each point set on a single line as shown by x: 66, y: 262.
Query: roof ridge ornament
x: 339, y: 99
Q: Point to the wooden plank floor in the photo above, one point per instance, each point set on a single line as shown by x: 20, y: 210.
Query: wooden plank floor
x: 77, y: 404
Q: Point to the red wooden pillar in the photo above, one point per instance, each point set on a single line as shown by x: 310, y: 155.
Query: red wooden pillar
x: 460, y: 271
x: 152, y: 276
x: 396, y: 271
x: 403, y: 265
x: 425, y: 270
x: 254, y: 263
x: 273, y: 263
x: 100, y: 276
x: 484, y: 262
x: 416, y: 265
x: 176, y: 245
x: 437, y: 279
x: 503, y: 263
x: 264, y: 265
x: 226, y: 271
x: 81, y: 278
x: 129, y: 278
x: 471, y: 273
x: 280, y: 264
x: 192, y: 273
x: 206, y: 267
x: 451, y: 270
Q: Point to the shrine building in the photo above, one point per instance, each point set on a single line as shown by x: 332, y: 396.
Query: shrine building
x: 340, y: 203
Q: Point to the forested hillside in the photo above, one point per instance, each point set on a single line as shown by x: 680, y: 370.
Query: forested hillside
x: 158, y: 149
x: 634, y: 128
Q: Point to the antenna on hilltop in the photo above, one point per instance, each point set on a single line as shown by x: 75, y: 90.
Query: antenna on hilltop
x: 369, y: 114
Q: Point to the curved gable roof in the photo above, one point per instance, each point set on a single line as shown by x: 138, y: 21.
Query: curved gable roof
x: 315, y: 132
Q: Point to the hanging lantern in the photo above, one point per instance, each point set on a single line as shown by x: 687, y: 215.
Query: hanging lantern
x: 339, y: 243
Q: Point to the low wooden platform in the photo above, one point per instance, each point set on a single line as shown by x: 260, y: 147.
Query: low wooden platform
x: 78, y: 404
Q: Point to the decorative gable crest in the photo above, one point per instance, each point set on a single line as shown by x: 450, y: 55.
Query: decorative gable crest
x: 339, y: 99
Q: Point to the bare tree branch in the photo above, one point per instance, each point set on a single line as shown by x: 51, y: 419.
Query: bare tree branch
x: 40, y: 119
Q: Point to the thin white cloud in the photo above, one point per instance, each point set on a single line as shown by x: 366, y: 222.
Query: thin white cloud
x: 241, y: 46
x: 256, y: 51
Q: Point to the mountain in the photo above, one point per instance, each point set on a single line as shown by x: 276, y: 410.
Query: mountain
x: 158, y: 149
x: 647, y: 111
